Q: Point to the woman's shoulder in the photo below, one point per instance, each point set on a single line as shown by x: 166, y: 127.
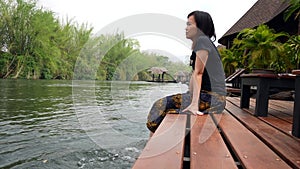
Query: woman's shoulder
x: 203, y: 42
x: 203, y: 38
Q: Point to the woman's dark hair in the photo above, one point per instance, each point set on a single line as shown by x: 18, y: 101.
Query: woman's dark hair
x: 205, y: 23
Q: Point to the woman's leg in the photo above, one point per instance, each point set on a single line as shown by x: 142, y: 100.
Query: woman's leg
x: 212, y: 103
x: 209, y: 103
x: 169, y: 104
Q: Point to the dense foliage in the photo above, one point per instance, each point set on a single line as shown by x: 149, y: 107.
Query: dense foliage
x: 34, y: 44
x: 262, y: 48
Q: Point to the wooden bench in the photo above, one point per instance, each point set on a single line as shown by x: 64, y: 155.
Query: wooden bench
x: 263, y: 82
x: 234, y: 139
x: 235, y: 79
x: 266, y: 81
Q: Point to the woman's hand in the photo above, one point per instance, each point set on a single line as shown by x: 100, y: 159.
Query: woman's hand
x: 193, y: 108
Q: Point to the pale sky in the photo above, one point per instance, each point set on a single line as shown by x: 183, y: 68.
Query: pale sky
x: 99, y: 14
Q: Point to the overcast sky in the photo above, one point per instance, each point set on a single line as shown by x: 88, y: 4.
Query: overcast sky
x: 99, y: 13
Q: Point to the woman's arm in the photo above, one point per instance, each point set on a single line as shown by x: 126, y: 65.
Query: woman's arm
x: 191, y: 84
x: 196, y: 80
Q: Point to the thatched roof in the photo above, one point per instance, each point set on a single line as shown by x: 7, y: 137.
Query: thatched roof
x: 262, y: 12
x: 157, y: 70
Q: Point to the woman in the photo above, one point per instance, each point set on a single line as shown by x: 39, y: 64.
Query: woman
x: 207, y: 83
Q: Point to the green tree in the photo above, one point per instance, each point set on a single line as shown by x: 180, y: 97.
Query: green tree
x: 293, y: 10
x: 35, y: 44
x: 292, y: 52
x: 71, y: 39
x: 45, y: 51
x: 122, y: 49
x: 16, y: 34
x: 231, y: 60
x: 261, y: 47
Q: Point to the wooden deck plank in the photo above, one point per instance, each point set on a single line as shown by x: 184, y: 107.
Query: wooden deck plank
x: 277, y: 112
x: 281, y: 115
x: 246, y: 145
x: 284, y: 106
x: 165, y: 149
x: 208, y: 149
x: 287, y: 146
x: 276, y: 118
x: 280, y: 109
x: 281, y: 125
x: 280, y: 105
x: 257, y: 142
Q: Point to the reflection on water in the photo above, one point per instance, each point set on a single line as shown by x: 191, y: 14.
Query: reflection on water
x: 79, y: 124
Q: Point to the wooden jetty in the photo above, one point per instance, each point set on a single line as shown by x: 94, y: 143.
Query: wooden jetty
x: 234, y: 139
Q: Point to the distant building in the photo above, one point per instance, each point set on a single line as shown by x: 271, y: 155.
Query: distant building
x: 158, y: 73
x: 269, y: 12
x: 183, y: 77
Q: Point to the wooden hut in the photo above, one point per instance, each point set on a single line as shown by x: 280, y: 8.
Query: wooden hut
x: 159, y: 72
x: 181, y: 76
x: 269, y: 12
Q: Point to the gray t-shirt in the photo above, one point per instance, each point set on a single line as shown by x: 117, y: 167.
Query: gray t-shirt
x: 214, y: 77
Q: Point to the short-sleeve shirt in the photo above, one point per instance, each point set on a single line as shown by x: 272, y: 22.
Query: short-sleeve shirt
x: 213, y: 78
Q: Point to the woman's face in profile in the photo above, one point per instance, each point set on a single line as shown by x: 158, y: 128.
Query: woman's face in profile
x: 191, y: 30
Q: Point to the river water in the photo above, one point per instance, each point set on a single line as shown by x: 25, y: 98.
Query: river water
x: 75, y: 124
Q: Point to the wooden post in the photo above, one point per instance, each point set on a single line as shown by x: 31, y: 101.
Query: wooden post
x: 296, y: 113
x: 245, y: 95
x: 262, y: 100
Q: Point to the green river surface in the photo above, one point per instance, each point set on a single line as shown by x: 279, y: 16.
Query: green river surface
x: 75, y: 124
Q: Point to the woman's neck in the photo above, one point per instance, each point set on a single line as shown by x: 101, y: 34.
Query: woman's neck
x: 194, y: 40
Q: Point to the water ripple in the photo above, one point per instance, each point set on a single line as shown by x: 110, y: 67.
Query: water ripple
x: 60, y: 124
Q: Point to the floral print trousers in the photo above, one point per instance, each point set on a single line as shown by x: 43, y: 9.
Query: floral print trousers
x: 209, y: 102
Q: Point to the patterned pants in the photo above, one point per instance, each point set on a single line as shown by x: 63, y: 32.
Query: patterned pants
x: 209, y: 102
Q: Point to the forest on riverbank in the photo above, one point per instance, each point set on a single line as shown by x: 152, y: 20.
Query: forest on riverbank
x: 35, y: 44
